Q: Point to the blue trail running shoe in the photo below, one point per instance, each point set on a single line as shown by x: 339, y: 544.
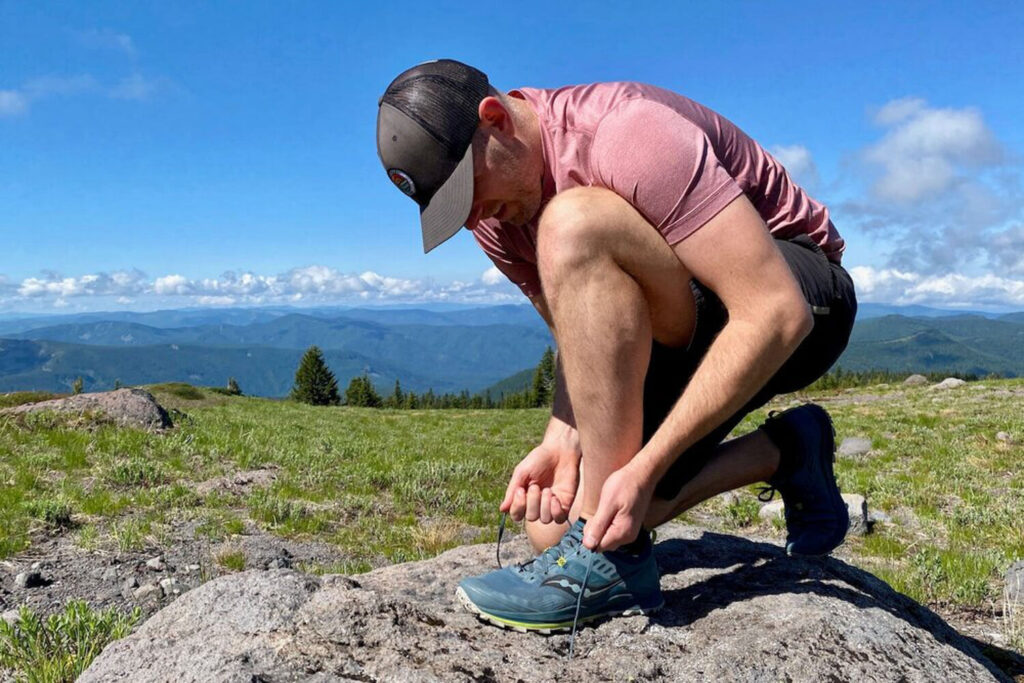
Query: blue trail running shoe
x: 816, y: 515
x: 566, y: 584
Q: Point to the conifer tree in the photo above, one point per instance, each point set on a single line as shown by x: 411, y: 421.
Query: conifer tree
x: 233, y: 387
x: 543, y: 389
x: 360, y: 393
x: 314, y: 382
x: 397, y: 397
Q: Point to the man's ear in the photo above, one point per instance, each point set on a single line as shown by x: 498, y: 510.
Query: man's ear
x: 493, y: 114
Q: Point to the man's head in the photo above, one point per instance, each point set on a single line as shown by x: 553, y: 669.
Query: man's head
x: 461, y: 149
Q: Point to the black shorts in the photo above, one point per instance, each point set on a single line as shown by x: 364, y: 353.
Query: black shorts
x: 828, y: 289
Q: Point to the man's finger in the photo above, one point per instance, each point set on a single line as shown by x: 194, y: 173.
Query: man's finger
x: 516, y: 483
x: 545, y: 506
x: 597, y: 525
x: 518, y: 508
x: 533, y: 503
x: 558, y: 513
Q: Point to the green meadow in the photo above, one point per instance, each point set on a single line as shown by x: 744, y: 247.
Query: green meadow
x: 385, y: 486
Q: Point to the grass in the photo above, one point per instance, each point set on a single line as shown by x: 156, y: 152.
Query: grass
x: 58, y: 648
x: 394, y: 485
x: 232, y: 559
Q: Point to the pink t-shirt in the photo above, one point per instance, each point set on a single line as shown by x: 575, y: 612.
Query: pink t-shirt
x: 677, y: 162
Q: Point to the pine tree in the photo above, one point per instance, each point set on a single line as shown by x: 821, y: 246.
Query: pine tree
x: 360, y: 393
x: 233, y: 387
x: 314, y: 382
x: 397, y: 397
x: 77, y: 386
x: 543, y: 389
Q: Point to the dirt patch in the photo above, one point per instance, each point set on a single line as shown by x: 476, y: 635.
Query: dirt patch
x: 105, y: 578
x: 238, y: 483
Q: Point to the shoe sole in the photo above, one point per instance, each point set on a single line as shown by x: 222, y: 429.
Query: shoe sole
x: 548, y: 628
x: 830, y: 475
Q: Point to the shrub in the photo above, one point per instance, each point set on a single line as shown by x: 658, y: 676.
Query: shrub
x: 60, y: 647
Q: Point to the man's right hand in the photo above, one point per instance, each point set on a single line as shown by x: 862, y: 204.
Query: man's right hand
x: 544, y: 483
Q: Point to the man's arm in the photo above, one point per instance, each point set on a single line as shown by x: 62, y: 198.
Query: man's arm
x: 735, y: 256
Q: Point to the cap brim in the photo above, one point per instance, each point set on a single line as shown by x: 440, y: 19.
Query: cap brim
x: 450, y: 206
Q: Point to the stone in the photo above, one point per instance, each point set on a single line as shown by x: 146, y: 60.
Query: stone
x: 771, y: 510
x: 128, y: 587
x: 878, y: 517
x: 156, y: 564
x: 169, y: 585
x: 1013, y: 585
x: 736, y: 609
x: 915, y: 381
x: 11, y: 616
x: 125, y: 407
x: 729, y: 498
x: 109, y: 575
x: 29, y: 579
x: 1004, y: 437
x: 854, y: 447
x: 949, y: 383
x: 857, y: 507
x: 192, y: 568
x: 149, y: 591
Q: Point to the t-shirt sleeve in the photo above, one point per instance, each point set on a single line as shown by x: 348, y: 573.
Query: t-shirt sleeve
x: 663, y: 164
x: 521, y: 272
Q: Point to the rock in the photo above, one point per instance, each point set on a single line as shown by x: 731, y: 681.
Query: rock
x: 915, y: 381
x: 1013, y: 585
x: 1004, y: 437
x: 36, y: 566
x: 156, y: 564
x: 949, y: 383
x: 736, y: 610
x: 126, y: 407
x: 11, y: 616
x: 283, y: 560
x: 729, y: 498
x: 29, y: 579
x: 192, y: 568
x: 169, y: 585
x: 109, y: 575
x: 878, y: 517
x: 854, y: 446
x: 857, y: 507
x: 149, y: 591
x: 771, y: 510
x: 128, y: 587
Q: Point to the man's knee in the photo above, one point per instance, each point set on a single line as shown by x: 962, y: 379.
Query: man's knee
x: 574, y: 229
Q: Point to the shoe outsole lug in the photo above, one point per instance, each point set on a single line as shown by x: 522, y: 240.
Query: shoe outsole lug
x: 483, y: 616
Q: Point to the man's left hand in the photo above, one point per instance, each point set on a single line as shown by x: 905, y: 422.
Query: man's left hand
x: 625, y: 497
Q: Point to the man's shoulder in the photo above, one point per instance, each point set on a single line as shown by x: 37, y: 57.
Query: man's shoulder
x: 582, y: 107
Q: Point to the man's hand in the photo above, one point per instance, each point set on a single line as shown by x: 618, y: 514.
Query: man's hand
x: 625, y: 497
x: 543, y: 485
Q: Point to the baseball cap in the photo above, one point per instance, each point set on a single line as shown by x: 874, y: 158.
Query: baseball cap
x: 425, y: 125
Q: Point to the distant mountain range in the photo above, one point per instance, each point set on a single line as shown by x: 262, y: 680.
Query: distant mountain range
x: 446, y: 349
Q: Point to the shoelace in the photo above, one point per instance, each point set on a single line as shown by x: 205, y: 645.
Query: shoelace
x: 766, y: 493
x: 583, y: 589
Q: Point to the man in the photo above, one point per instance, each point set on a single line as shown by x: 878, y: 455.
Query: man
x: 686, y: 280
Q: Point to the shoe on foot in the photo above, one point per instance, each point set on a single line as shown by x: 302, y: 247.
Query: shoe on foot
x: 816, y: 515
x: 544, y: 594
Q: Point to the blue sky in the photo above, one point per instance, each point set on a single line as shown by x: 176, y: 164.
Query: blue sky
x: 176, y: 154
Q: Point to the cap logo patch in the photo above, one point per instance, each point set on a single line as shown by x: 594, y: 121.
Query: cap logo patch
x: 402, y: 181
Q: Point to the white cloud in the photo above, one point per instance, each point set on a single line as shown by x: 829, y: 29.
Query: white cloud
x: 492, y: 276
x: 106, y: 39
x: 12, y: 103
x: 132, y: 87
x: 925, y: 150
x: 313, y: 284
x: 952, y: 289
x: 798, y: 162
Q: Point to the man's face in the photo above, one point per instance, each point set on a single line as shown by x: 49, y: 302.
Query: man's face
x: 505, y: 186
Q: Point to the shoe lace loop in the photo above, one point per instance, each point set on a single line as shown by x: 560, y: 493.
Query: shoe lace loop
x: 501, y: 532
x: 766, y: 493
